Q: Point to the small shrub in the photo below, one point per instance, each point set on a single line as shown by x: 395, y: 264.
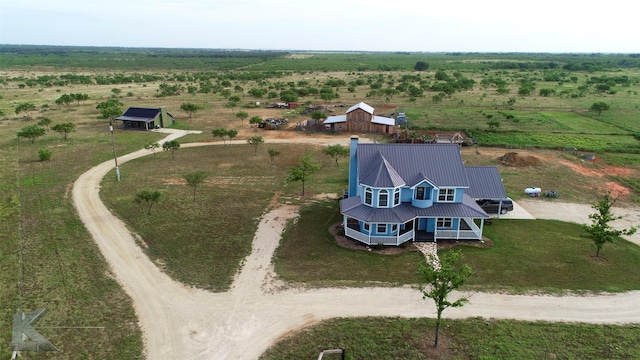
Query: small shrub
x: 44, y: 154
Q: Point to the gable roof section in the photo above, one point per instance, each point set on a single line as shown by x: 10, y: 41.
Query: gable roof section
x: 441, y: 162
x: 362, y: 106
x: 383, y: 120
x: 383, y: 175
x: 139, y: 114
x: 335, y: 119
x: 485, y: 183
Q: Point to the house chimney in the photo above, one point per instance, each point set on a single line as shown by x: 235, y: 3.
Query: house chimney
x: 353, y: 166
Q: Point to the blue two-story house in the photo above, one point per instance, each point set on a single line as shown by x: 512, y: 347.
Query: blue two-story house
x: 415, y: 192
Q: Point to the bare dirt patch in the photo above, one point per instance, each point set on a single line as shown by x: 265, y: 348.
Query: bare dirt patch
x: 620, y: 171
x: 516, y: 159
x: 584, y: 170
x: 617, y: 190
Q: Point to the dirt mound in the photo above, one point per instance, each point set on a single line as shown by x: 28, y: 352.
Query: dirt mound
x: 513, y: 159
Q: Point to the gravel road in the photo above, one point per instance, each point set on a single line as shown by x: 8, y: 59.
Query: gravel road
x: 182, y: 322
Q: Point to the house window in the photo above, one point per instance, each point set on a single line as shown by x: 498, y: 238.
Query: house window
x: 396, y: 197
x: 365, y: 227
x: 381, y: 228
x: 421, y: 193
x: 368, y: 196
x: 446, y: 223
x: 394, y: 228
x: 383, y: 198
x: 446, y: 195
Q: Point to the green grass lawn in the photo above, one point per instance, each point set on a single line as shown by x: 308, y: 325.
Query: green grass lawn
x: 527, y: 255
x: 398, y: 338
x: 204, y: 242
x: 47, y: 259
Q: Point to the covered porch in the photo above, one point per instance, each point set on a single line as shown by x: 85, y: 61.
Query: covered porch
x: 467, y: 229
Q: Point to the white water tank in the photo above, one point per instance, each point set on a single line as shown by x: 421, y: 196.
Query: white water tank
x: 533, y: 191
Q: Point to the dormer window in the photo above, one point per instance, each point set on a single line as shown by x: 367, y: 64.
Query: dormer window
x: 396, y: 197
x: 368, y: 196
x: 446, y: 195
x: 421, y: 193
x: 383, y: 198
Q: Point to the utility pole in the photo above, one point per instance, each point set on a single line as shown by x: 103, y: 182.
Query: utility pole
x: 113, y: 144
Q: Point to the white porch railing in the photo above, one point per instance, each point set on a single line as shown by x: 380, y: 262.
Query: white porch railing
x: 458, y: 234
x: 375, y: 239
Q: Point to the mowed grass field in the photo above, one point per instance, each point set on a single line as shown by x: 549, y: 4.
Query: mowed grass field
x: 398, y: 338
x: 48, y: 259
x: 204, y: 242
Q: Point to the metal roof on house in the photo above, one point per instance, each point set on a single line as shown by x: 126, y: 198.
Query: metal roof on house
x: 139, y: 114
x: 383, y: 176
x: 441, y: 162
x: 383, y: 120
x: 354, y: 208
x: 335, y: 119
x: 133, y: 118
x: 362, y: 106
x: 485, y: 183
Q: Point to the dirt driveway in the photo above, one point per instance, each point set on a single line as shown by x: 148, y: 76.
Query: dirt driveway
x: 182, y: 322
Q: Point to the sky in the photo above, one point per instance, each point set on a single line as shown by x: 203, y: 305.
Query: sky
x: 560, y: 26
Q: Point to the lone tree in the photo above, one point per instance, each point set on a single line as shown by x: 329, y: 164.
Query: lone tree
x: 172, y: 146
x: 421, y: 66
x: 64, y: 129
x: 194, y: 179
x: 110, y: 109
x: 232, y: 134
x: 26, y: 108
x: 255, y: 120
x: 148, y: 197
x: 600, y: 230
x: 319, y: 117
x: 302, y: 171
x: 272, y: 154
x: 31, y: 132
x: 152, y: 146
x: 242, y: 115
x: 220, y: 132
x: 336, y: 151
x: 255, y: 141
x: 599, y: 107
x: 442, y: 279
x: 189, y: 108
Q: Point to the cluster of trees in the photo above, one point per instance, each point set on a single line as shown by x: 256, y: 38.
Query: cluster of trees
x: 224, y: 133
x: 67, y: 99
x: 32, y: 132
x: 110, y: 109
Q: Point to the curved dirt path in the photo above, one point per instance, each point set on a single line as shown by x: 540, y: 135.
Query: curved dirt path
x: 182, y: 322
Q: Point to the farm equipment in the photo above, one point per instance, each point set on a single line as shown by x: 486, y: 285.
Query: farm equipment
x: 272, y: 124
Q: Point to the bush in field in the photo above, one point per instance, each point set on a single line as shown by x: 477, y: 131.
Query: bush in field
x: 44, y: 154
